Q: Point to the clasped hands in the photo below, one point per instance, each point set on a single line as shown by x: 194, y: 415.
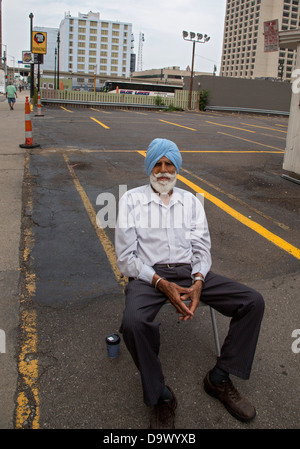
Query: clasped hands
x: 177, y: 295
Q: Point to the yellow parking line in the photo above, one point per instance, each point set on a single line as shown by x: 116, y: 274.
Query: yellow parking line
x: 175, y: 124
x: 252, y: 141
x: 105, y: 241
x: 238, y: 200
x: 100, y: 110
x: 273, y: 238
x: 102, y: 124
x: 265, y: 127
x: 229, y: 151
x: 227, y: 126
x: 66, y: 109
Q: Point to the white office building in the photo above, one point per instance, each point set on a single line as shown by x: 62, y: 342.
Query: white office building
x: 89, y: 45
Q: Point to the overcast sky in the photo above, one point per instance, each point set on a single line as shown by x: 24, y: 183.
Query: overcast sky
x: 161, y: 21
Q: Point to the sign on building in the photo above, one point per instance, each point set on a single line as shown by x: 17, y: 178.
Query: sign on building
x: 271, y: 35
x: 39, y: 42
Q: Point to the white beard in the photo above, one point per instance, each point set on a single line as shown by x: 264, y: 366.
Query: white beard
x: 163, y: 187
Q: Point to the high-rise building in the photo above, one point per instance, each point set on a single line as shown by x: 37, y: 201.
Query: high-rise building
x: 89, y: 45
x: 244, y: 54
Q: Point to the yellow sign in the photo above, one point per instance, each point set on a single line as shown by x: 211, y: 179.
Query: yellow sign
x: 39, y: 42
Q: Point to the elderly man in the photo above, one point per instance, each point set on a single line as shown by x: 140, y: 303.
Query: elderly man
x: 163, y: 245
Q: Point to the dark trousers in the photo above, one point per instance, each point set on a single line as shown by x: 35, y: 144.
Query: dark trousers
x: 141, y: 335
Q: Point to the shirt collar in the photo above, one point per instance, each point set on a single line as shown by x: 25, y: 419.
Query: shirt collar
x: 151, y: 196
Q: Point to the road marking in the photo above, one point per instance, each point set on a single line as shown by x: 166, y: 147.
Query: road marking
x: 284, y: 126
x: 265, y: 127
x: 100, y: 110
x: 102, y: 124
x: 227, y: 126
x: 252, y: 141
x: 105, y: 241
x: 238, y: 200
x: 273, y: 238
x: 229, y: 151
x: 66, y: 109
x: 175, y: 124
x: 274, y: 137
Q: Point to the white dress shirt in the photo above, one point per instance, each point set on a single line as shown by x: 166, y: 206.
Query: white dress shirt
x: 148, y: 232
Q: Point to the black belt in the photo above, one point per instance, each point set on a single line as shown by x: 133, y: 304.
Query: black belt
x: 170, y: 265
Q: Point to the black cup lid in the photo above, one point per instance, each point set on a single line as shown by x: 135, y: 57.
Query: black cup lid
x: 112, y: 339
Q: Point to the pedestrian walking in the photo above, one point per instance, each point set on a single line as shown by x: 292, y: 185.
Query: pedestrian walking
x: 11, y: 95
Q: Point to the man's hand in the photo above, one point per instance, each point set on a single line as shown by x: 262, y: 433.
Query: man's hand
x: 177, y: 295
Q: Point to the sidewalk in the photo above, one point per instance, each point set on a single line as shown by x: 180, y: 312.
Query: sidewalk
x: 12, y: 157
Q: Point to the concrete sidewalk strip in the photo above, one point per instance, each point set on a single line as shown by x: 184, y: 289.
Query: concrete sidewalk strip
x: 11, y: 178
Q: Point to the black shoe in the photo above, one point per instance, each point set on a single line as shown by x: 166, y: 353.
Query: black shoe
x: 164, y: 414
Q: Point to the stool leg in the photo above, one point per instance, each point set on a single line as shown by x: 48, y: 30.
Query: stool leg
x: 216, y: 335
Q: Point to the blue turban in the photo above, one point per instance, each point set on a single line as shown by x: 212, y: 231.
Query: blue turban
x: 159, y: 148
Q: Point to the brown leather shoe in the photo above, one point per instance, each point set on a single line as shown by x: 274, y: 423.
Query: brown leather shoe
x: 237, y: 405
x: 164, y: 414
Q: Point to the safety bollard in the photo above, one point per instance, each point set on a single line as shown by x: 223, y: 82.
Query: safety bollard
x: 28, y: 128
x: 39, y: 107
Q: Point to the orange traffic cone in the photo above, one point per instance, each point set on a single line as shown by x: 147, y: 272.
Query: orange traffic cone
x: 28, y: 128
x: 39, y: 107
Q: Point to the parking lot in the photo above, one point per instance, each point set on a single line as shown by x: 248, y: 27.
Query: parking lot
x: 72, y: 291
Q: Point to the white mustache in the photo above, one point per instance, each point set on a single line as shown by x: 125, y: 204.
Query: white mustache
x: 163, y: 175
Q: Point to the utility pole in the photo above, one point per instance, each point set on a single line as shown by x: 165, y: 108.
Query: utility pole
x: 32, y: 64
x: 58, y: 42
x: 0, y: 30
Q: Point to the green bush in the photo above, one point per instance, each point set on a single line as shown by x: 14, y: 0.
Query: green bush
x: 204, y: 99
x: 159, y: 101
x: 173, y: 108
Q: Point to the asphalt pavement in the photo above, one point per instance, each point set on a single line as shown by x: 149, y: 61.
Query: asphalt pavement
x: 61, y: 292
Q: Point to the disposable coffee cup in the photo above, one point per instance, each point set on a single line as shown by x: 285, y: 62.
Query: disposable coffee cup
x: 112, y: 345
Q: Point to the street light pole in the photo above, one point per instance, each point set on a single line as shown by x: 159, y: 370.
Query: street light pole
x: 200, y: 40
x: 192, y: 76
x: 58, y: 42
x: 32, y: 64
x: 55, y: 54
